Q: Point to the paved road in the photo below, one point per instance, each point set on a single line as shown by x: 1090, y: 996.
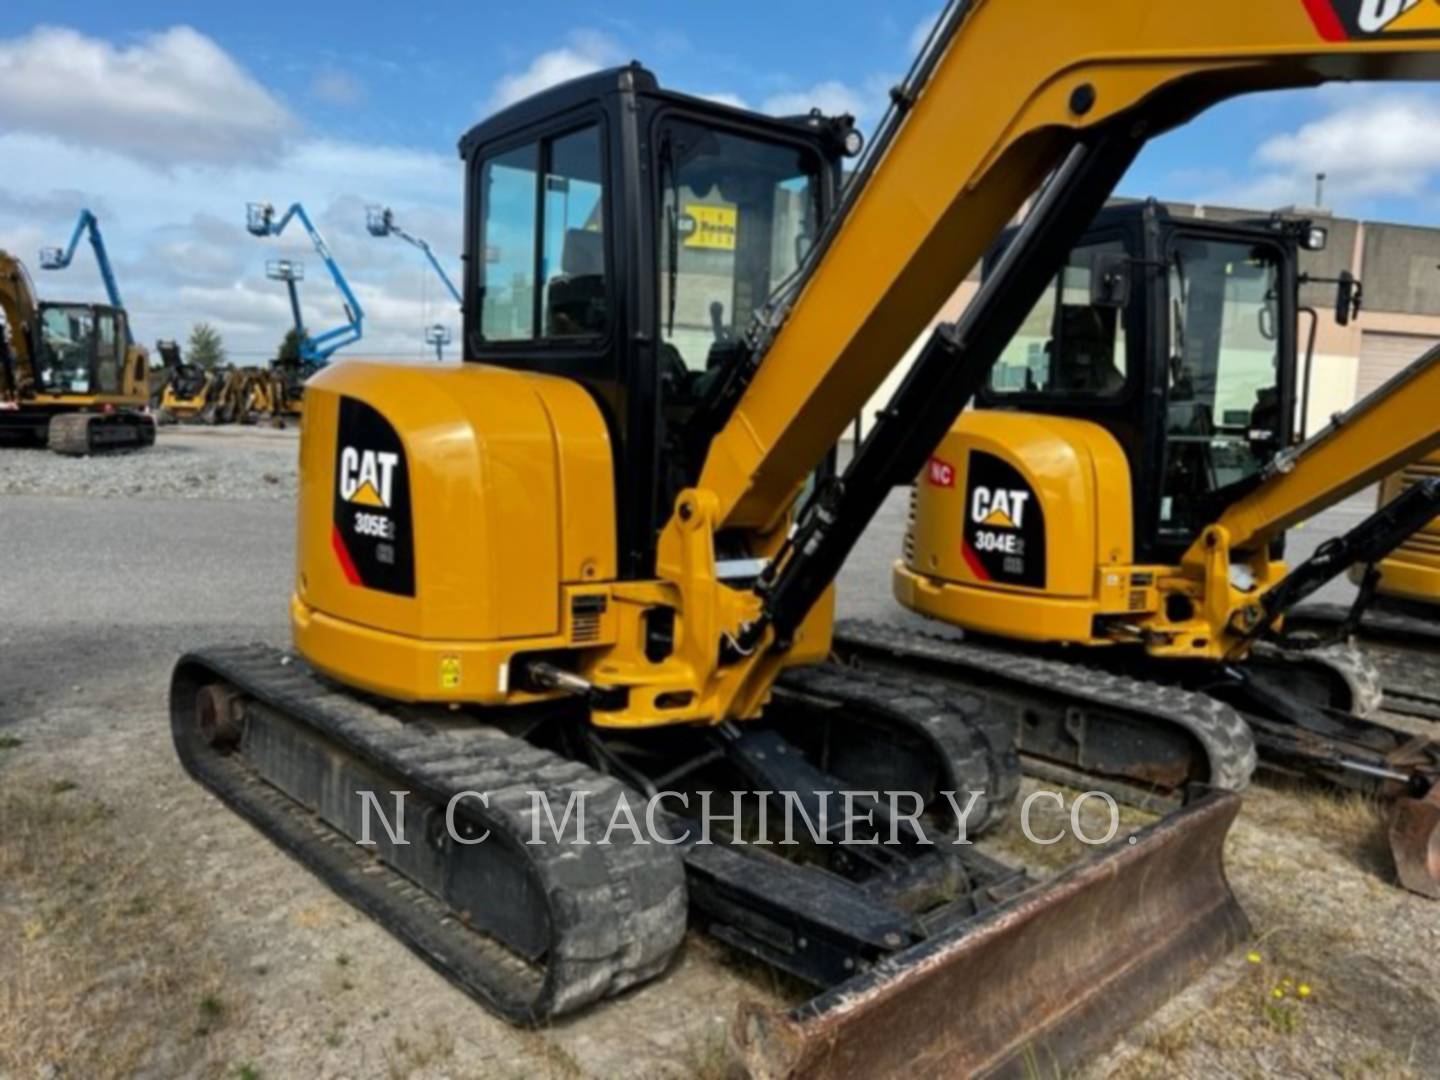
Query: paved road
x: 93, y: 586
x: 93, y: 582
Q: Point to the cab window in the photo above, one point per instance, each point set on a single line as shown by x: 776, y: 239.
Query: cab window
x: 1068, y: 347
x: 67, y: 345
x: 542, y: 225
x: 109, y: 352
x: 1223, y: 415
x: 738, y: 215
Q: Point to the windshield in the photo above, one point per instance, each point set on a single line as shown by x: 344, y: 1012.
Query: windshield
x: 737, y: 216
x: 67, y: 347
x: 1223, y: 416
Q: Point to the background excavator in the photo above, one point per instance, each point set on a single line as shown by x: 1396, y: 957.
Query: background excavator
x: 596, y: 560
x: 71, y: 376
x: 1399, y: 626
x: 1125, y: 483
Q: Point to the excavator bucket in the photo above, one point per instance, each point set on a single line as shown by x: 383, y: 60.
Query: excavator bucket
x: 1036, y: 983
x: 1415, y: 843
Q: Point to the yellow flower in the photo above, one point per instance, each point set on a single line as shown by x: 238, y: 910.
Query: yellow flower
x: 1277, y: 992
x: 1287, y: 983
x: 1304, y: 990
x: 1253, y: 957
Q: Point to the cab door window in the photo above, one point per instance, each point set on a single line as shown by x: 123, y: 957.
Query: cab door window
x: 738, y: 214
x: 542, y: 221
x: 1223, y: 416
x: 67, y: 348
x: 109, y: 352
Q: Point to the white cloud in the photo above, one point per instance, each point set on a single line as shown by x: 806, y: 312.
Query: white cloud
x: 833, y: 97
x: 1376, y: 143
x: 336, y: 87
x: 182, y: 254
x: 174, y: 97
x: 584, y: 52
x: 1386, y: 145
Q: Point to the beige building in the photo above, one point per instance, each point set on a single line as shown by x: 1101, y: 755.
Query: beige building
x: 1399, y: 269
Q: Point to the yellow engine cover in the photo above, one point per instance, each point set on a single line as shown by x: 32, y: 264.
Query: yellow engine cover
x: 1021, y: 527
x: 449, y: 517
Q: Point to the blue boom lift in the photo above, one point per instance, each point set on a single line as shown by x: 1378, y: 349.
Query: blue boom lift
x: 315, y: 349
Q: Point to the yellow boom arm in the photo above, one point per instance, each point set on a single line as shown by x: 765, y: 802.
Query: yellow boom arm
x: 1005, y: 95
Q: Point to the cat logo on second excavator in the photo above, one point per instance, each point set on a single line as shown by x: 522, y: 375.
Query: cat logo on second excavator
x: 1342, y: 20
x: 1002, y: 509
x: 1004, y: 534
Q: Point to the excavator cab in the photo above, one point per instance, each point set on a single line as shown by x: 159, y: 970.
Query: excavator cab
x: 80, y: 349
x: 624, y: 236
x: 1158, y: 377
x: 1193, y: 365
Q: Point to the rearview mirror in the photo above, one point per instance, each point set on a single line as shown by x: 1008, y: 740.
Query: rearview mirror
x: 1347, y: 298
x: 1110, y: 281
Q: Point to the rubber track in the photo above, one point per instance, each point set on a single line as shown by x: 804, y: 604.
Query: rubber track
x: 616, y: 911
x: 1405, y: 649
x: 1220, y: 730
x: 1342, y: 661
x: 70, y: 433
x: 974, y: 744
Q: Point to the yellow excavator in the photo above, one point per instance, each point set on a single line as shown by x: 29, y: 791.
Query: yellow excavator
x: 595, y: 562
x: 70, y: 376
x: 1124, y: 485
x: 1398, y: 622
x: 1411, y: 576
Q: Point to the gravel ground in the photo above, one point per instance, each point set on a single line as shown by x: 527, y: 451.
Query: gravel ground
x: 149, y: 932
x: 231, y: 463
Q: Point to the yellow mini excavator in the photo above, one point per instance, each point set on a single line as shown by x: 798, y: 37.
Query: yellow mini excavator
x: 1125, y: 483
x: 1397, y: 618
x: 595, y: 561
x: 70, y: 377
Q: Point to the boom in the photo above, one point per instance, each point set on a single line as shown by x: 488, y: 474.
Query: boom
x: 1002, y: 96
x: 54, y: 258
x: 1394, y: 426
x: 260, y: 221
x: 380, y: 221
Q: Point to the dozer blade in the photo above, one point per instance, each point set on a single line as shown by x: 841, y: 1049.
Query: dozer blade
x: 1037, y: 983
x: 1415, y: 843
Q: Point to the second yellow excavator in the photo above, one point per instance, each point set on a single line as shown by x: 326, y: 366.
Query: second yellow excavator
x: 1124, y: 486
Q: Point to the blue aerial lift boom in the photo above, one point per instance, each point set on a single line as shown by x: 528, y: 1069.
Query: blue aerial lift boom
x: 54, y: 258
x: 380, y: 220
x: 317, y: 349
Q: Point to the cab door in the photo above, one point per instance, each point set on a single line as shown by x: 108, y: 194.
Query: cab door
x: 1225, y: 396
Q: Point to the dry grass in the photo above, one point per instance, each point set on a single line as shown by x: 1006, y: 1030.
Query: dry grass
x: 404, y: 1057
x: 107, y: 971
x: 1047, y: 820
x: 1351, y: 823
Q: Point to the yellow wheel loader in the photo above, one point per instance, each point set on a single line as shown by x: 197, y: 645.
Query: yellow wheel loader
x: 69, y: 377
x: 1123, y: 487
x: 592, y: 567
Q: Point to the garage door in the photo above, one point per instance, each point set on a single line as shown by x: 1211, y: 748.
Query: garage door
x: 1383, y: 355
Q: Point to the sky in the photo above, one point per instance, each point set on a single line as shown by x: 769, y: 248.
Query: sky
x: 166, y: 119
